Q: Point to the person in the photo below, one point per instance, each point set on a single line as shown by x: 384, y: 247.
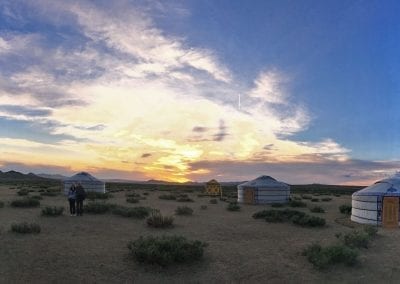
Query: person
x: 72, y: 199
x: 80, y: 196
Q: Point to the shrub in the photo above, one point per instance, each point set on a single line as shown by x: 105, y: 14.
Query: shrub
x: 372, y: 231
x: 345, y: 209
x: 167, y: 197
x: 38, y: 197
x: 25, y: 202
x: 1, y: 204
x: 25, y: 228
x: 326, y: 199
x: 92, y: 195
x: 183, y: 210
x: 96, y: 207
x: 356, y: 239
x: 184, y: 199
x: 304, y: 196
x: 322, y: 257
x: 337, y: 195
x: 297, y: 198
x: 314, y: 199
x: 49, y: 193
x: 317, y: 209
x: 233, y: 207
x: 52, y: 211
x: 297, y: 203
x: 296, y: 217
x: 166, y: 250
x: 203, y: 207
x: 309, y: 221
x: 213, y: 201
x: 134, y: 212
x: 132, y: 200
x: 23, y: 192
x: 145, y: 193
x: 132, y: 194
x: 157, y: 220
x: 277, y: 205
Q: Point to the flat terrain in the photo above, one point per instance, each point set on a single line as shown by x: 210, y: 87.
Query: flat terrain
x: 93, y: 248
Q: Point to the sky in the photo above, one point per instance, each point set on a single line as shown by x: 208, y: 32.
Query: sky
x: 304, y: 91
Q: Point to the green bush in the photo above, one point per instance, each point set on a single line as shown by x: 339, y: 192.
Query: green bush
x: 297, y: 203
x: 372, y: 231
x: 317, y: 209
x: 184, y: 199
x: 134, y: 212
x: 288, y: 215
x: 304, y: 196
x: 203, y: 207
x: 309, y: 221
x: 132, y: 200
x: 326, y: 199
x: 314, y: 200
x: 52, y: 211
x: 145, y: 193
x: 183, y: 210
x: 97, y: 207
x: 322, y: 257
x: 157, y: 220
x: 166, y: 250
x: 277, y: 205
x: 92, y: 195
x: 23, y: 192
x: 356, y: 239
x: 296, y: 198
x: 213, y: 201
x: 233, y: 207
x: 132, y: 194
x: 337, y: 195
x: 25, y: 228
x: 345, y: 209
x: 25, y: 202
x: 38, y: 197
x: 167, y: 197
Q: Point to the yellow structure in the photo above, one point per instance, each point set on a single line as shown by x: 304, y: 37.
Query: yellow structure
x: 213, y: 188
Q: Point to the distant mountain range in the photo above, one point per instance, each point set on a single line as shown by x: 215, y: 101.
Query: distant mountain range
x: 17, y: 176
x: 49, y: 176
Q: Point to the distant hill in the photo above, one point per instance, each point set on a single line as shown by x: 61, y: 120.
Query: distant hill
x: 17, y: 176
x: 49, y: 176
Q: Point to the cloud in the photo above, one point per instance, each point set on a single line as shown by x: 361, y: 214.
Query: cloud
x: 146, y: 155
x: 220, y: 136
x: 199, y: 129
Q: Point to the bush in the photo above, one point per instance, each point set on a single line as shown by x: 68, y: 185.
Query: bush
x: 25, y: 228
x: 345, y: 209
x: 95, y: 207
x: 213, y: 201
x: 203, y: 207
x: 233, y: 207
x: 38, y: 197
x: 322, y: 257
x: 1, y: 204
x: 49, y: 193
x: 145, y: 193
x: 184, y: 199
x: 183, y: 210
x: 23, y: 192
x: 92, y: 195
x: 356, y: 239
x: 132, y: 194
x: 167, y: 197
x: 314, y: 200
x: 326, y: 199
x: 277, y: 205
x: 372, y: 231
x: 132, y: 200
x: 304, y: 196
x: 157, y: 220
x: 296, y: 217
x: 25, y: 202
x: 337, y: 195
x: 134, y: 212
x: 166, y: 250
x: 297, y: 203
x: 52, y: 211
x: 317, y: 209
x: 296, y: 198
x: 309, y: 221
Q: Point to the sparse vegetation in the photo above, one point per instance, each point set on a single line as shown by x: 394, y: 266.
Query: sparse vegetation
x: 134, y: 212
x: 157, y: 220
x: 23, y: 192
x: 52, y: 211
x: 322, y: 257
x: 277, y: 205
x: 184, y: 199
x: 166, y: 250
x: 132, y: 200
x: 317, y: 209
x: 38, y: 197
x: 49, y: 193
x: 304, y: 196
x: 183, y: 210
x: 314, y: 200
x: 167, y: 197
x: 92, y: 195
x: 233, y: 207
x: 25, y: 202
x: 326, y: 199
x: 297, y: 203
x: 345, y: 209
x: 97, y: 207
x: 25, y: 228
x: 289, y: 215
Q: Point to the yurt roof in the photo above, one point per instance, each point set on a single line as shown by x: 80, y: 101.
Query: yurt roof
x: 83, y: 177
x: 389, y: 186
x: 264, y: 181
x: 213, y: 181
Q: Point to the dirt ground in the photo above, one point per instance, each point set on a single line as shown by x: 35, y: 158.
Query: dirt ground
x: 93, y: 248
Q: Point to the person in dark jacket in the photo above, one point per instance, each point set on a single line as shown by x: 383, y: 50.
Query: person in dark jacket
x: 80, y: 196
x: 72, y: 199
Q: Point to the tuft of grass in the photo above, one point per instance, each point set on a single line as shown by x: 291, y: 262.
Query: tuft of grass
x: 92, y: 195
x: 167, y: 197
x: 157, y: 220
x: 323, y: 257
x: 23, y: 192
x: 25, y: 228
x: 213, y: 201
x: 183, y: 210
x: 317, y: 209
x: 203, y: 207
x: 132, y: 200
x: 97, y: 207
x: 345, y: 209
x: 326, y: 199
x: 132, y: 212
x: 233, y: 207
x: 52, y: 211
x: 166, y: 250
x: 25, y: 202
x: 297, y: 203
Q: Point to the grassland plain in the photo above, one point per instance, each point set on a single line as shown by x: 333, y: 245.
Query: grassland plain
x: 93, y: 248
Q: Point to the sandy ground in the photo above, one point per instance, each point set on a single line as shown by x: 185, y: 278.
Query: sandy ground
x: 93, y: 248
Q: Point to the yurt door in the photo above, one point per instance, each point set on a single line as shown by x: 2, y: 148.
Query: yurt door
x: 249, y: 195
x: 390, y: 212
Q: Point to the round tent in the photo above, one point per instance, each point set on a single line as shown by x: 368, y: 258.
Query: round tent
x: 89, y: 182
x: 263, y: 189
x: 378, y: 203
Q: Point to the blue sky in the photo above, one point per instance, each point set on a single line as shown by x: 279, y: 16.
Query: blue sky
x: 104, y: 84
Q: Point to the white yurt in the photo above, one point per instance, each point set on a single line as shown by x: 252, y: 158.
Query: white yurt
x: 263, y: 189
x: 378, y: 203
x: 89, y: 182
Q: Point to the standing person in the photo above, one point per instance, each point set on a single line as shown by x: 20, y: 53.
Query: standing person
x: 80, y: 196
x: 72, y: 199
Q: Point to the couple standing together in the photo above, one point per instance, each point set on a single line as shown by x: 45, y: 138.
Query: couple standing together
x: 76, y: 195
